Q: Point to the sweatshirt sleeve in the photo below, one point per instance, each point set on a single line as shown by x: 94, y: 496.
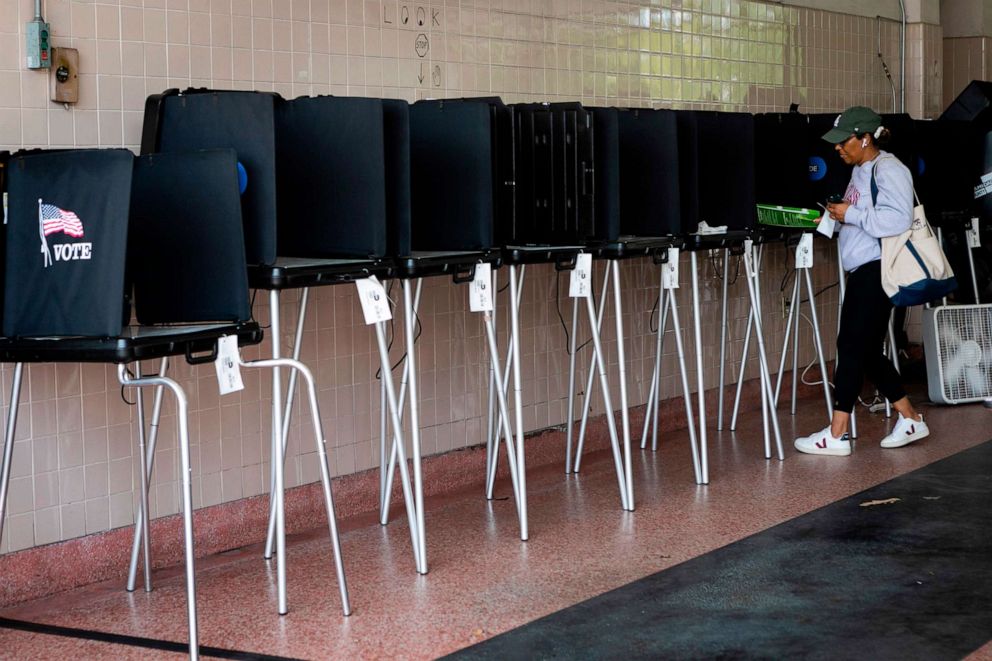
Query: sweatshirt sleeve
x: 892, y: 213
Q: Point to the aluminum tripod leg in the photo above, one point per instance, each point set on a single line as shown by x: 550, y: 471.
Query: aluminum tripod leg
x: 503, y: 410
x: 795, y: 360
x: 793, y: 310
x: 763, y: 362
x: 491, y: 443
x: 287, y: 412
x: 518, y: 402
x: 571, y: 387
x: 819, y: 344
x: 700, y: 386
x: 393, y: 455
x: 275, y: 364
x: 663, y: 322
x: 507, y: 367
x: 418, y: 478
x: 186, y: 494
x: 723, y: 340
x: 277, y: 495
x: 8, y: 441
x: 622, y: 363
x: 693, y: 443
x: 766, y: 402
x: 510, y: 351
x: 146, y: 455
x: 590, y: 379
x: 744, y: 355
x: 654, y: 391
x: 393, y: 407
x: 608, y: 404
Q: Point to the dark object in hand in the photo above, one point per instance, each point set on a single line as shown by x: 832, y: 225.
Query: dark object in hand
x: 835, y: 198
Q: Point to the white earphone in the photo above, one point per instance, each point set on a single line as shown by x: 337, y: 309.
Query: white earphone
x: 864, y: 143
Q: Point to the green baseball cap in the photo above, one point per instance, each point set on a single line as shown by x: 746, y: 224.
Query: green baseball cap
x: 856, y: 120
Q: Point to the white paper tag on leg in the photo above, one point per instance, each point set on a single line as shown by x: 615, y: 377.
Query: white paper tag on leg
x: 974, y: 237
x: 580, y: 284
x: 375, y: 303
x: 228, y: 365
x: 670, y: 272
x: 804, y: 252
x: 480, y: 294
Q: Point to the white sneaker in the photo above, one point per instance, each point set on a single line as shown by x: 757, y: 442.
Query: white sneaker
x: 823, y: 442
x: 905, y: 432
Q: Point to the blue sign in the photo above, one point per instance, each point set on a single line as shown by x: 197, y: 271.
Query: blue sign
x: 242, y: 178
x: 817, y: 168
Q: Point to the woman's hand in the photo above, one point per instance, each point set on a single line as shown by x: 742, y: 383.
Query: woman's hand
x: 838, y: 211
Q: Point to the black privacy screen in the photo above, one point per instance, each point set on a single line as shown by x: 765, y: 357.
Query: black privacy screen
x: 782, y: 160
x: 726, y: 169
x: 331, y: 175
x: 66, y: 243
x: 453, y: 175
x: 242, y: 121
x: 948, y: 168
x: 186, y: 253
x: 555, y: 183
x: 649, y: 173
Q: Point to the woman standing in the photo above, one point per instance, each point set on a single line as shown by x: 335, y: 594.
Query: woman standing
x: 870, y: 211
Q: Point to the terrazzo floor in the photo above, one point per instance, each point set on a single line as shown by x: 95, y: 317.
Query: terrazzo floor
x: 483, y: 580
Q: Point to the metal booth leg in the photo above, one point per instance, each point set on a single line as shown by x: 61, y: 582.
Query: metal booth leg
x: 287, y: 411
x: 275, y: 364
x: 8, y: 441
x: 514, y: 302
x: 590, y: 379
x: 393, y: 455
x: 571, y: 386
x: 654, y: 392
x: 622, y: 360
x: 146, y: 457
x: 517, y: 287
x: 787, y: 338
x: 723, y: 340
x: 418, y: 478
x: 701, y: 388
x: 187, y: 492
x: 763, y: 362
x: 393, y: 408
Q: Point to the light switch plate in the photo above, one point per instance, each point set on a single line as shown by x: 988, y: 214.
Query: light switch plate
x: 65, y: 63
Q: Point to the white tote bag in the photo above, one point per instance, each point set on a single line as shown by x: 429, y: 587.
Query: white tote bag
x: 914, y: 267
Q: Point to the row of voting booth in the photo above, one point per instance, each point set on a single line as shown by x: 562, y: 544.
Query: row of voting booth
x: 238, y: 191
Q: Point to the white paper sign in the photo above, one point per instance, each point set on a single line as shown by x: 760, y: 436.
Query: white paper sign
x: 974, y: 236
x: 375, y: 303
x: 228, y: 365
x: 804, y: 252
x: 670, y: 270
x: 480, y: 296
x: 580, y: 284
x: 826, y: 225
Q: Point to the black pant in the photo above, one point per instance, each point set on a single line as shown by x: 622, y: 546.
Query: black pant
x: 864, y: 325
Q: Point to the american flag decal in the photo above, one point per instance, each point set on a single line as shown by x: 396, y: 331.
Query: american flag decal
x: 55, y: 220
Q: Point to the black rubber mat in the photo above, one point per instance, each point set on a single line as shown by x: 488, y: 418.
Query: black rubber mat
x: 900, y: 571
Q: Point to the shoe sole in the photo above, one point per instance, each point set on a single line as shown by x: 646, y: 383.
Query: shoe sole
x: 903, y: 442
x: 826, y: 452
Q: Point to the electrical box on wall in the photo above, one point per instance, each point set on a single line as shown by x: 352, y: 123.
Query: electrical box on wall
x: 39, y: 54
x: 64, y: 75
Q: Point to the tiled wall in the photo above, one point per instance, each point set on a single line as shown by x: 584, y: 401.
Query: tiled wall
x: 75, y: 458
x: 965, y: 59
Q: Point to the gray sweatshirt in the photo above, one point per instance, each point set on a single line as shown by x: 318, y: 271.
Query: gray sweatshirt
x: 864, y: 224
